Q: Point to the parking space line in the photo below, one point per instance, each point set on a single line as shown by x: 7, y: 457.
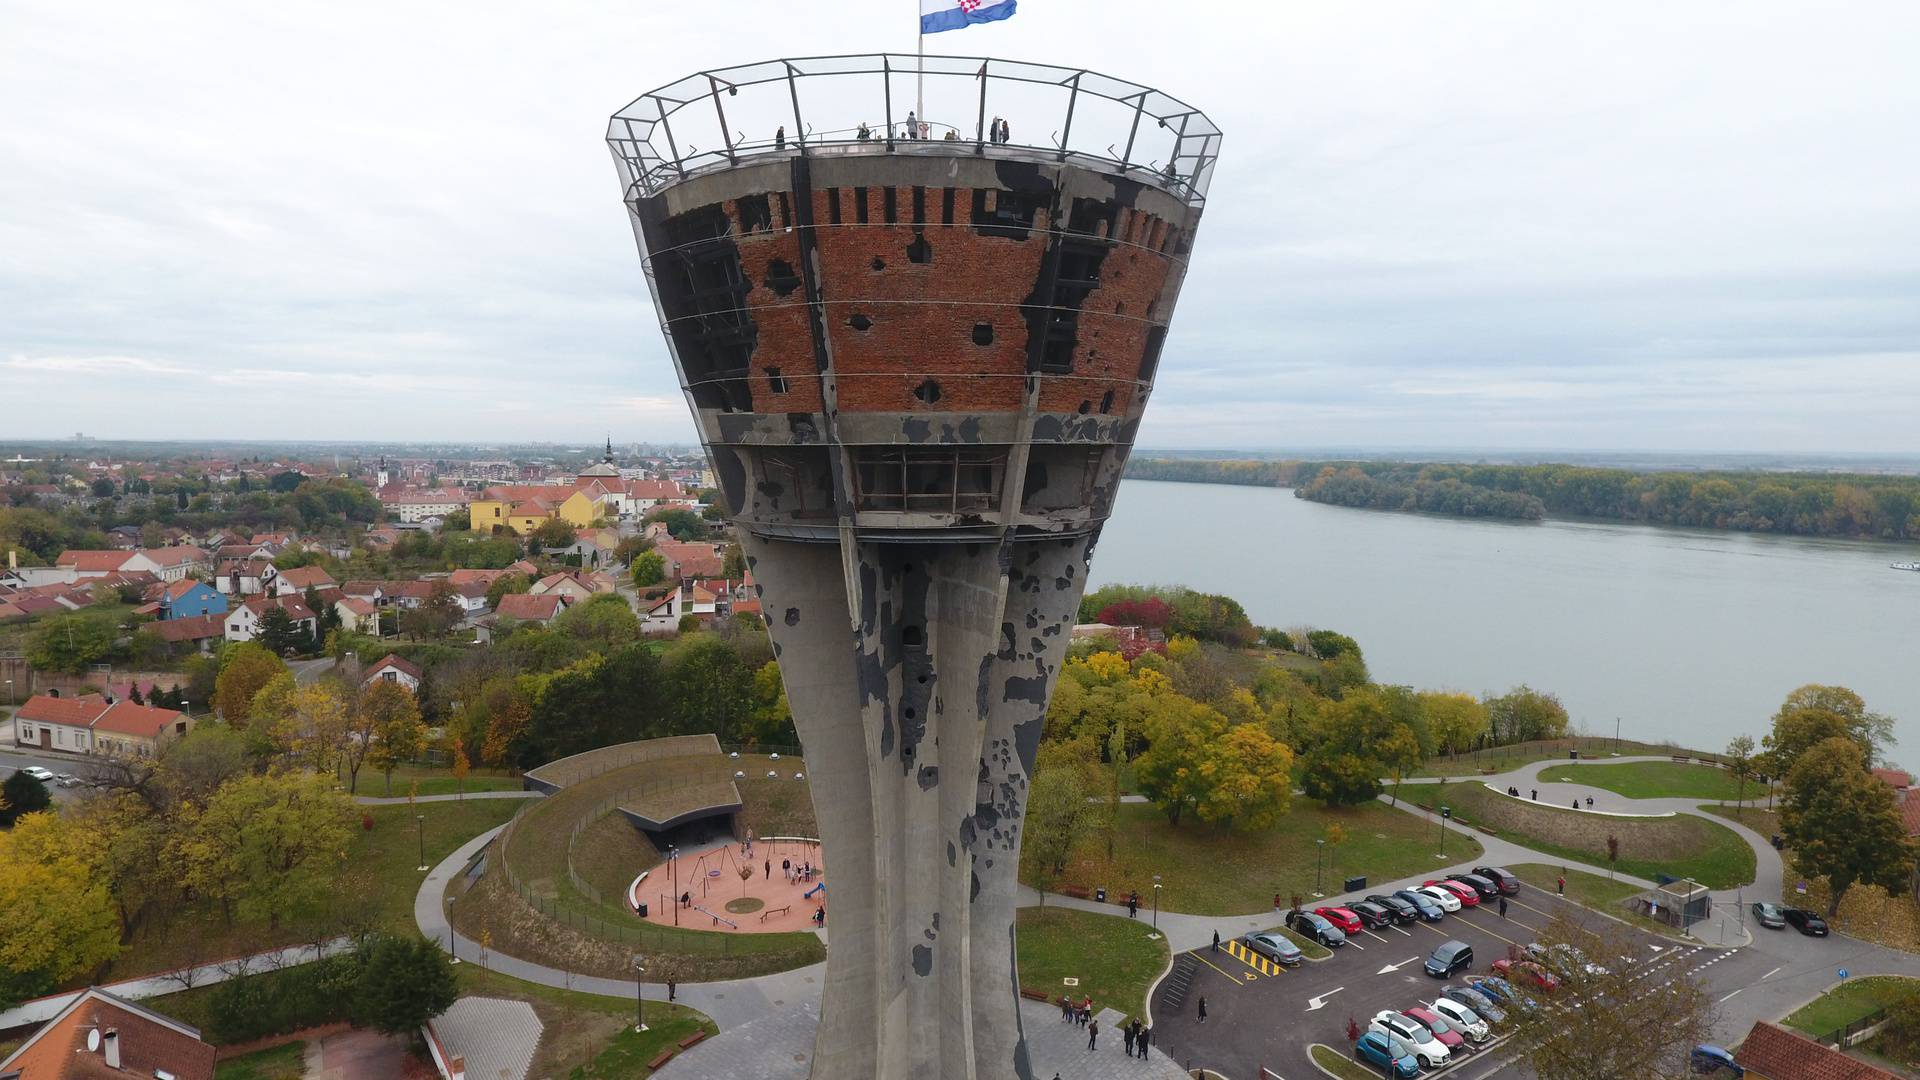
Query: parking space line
x: 1397, y: 930
x: 1495, y: 933
x: 1371, y: 934
x: 1232, y: 978
x: 1429, y: 926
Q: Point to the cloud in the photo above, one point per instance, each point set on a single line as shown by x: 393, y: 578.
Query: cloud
x: 1469, y: 223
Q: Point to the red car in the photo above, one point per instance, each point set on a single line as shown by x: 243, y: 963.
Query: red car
x: 1468, y: 896
x: 1346, y: 920
x: 1526, y: 971
x: 1438, y: 1025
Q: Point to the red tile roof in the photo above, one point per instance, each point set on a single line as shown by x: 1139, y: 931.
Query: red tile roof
x: 70, y: 711
x: 357, y: 605
x: 1895, y: 778
x: 93, y: 562
x: 1910, y: 812
x: 485, y: 577
x: 1781, y: 1055
x: 175, y: 556
x: 193, y: 628
x: 529, y: 608
x: 304, y: 576
x: 150, y: 1043
x: 141, y: 721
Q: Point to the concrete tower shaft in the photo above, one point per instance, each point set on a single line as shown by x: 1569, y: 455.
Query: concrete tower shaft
x: 917, y: 366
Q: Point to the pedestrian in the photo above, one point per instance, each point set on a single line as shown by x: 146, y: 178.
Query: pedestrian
x: 1576, y: 804
x: 786, y: 867
x: 1203, y: 1010
x: 1133, y: 905
x: 1216, y: 941
x: 1146, y: 1040
x: 1560, y: 886
x: 913, y: 126
x: 1093, y: 1033
x: 1589, y: 802
x: 1536, y: 794
x: 686, y: 899
x: 1503, y: 907
x: 864, y: 133
x: 1276, y: 901
x: 1126, y: 1036
x: 769, y: 869
x: 1086, y: 1009
x: 1006, y: 133
x: 1066, y: 1008
x: 672, y: 987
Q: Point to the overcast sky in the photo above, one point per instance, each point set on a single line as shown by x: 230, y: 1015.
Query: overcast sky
x: 1690, y: 226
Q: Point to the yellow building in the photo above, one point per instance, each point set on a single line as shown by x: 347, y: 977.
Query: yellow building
x: 518, y: 507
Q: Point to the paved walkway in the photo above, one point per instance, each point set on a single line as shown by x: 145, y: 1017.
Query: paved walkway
x: 779, y: 1046
x: 381, y: 800
x: 40, y: 1009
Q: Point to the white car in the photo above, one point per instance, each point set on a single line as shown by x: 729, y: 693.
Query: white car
x: 38, y: 773
x: 1464, y: 1020
x: 1431, y: 1052
x: 1444, y: 897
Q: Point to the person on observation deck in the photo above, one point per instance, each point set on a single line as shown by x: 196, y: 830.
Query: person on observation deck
x: 864, y: 134
x: 779, y: 143
x: 913, y: 126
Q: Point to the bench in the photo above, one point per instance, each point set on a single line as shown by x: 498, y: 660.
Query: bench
x: 775, y: 911
x: 1036, y: 995
x: 1076, y: 891
x: 691, y: 1039
x: 664, y: 1057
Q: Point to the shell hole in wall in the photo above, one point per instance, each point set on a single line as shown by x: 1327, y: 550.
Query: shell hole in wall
x: 879, y: 265
x: 920, y: 251
x: 982, y: 333
x: 908, y: 712
x: 912, y: 637
x: 928, y: 391
x: 860, y: 322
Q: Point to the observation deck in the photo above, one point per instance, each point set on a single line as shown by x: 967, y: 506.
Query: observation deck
x: 939, y: 327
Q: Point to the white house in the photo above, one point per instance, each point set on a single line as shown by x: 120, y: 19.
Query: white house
x: 416, y: 505
x: 665, y: 613
x: 58, y: 723
x: 243, y: 622
x: 393, y: 669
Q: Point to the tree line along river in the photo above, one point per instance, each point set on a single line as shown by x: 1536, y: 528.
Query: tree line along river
x: 1682, y: 634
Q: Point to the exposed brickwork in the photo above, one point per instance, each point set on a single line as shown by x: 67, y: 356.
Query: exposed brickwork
x: 918, y: 351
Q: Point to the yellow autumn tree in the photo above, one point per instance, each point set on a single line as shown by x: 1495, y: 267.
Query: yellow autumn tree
x: 1247, y: 779
x: 61, y: 921
x: 266, y: 846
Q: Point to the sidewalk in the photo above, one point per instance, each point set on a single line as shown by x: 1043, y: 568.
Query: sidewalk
x: 42, y: 1009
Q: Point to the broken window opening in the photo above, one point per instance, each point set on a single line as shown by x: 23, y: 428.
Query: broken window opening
x: 786, y: 210
x: 754, y: 214
x: 1106, y: 403
x: 887, y: 213
x: 781, y: 278
x: 774, y: 379
x: 931, y: 480
x: 833, y: 206
x: 860, y: 205
x: 919, y: 205
x: 919, y: 251
x: 946, y: 206
x: 983, y: 333
x: 928, y: 391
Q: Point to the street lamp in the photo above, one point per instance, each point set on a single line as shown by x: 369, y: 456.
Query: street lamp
x: 1156, y: 901
x: 420, y: 827
x: 639, y: 1001
x: 1319, y: 850
x: 1445, y: 813
x: 673, y: 861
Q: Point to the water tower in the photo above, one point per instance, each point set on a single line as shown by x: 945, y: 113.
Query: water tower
x: 917, y: 355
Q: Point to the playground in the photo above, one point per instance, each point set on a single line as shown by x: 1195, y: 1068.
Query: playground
x: 777, y: 885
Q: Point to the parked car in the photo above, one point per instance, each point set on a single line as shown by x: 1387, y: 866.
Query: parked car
x: 1495, y: 988
x: 1316, y: 928
x: 1485, y: 887
x: 1462, y: 1017
x: 38, y: 773
x: 1469, y: 896
x: 1707, y: 1059
x: 1482, y: 1004
x: 1347, y: 921
x: 1772, y: 916
x: 1377, y: 1050
x: 1528, y: 972
x: 1453, y: 1040
x: 67, y: 780
x: 1372, y: 915
x: 1402, y: 908
x: 1449, y: 957
x: 1448, y: 900
x: 1507, y: 882
x: 1274, y: 947
x: 1427, y: 1050
x: 1427, y: 906
x: 1807, y: 922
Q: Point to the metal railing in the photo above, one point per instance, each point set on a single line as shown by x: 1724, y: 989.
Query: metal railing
x: 1848, y: 1034
x: 658, y: 140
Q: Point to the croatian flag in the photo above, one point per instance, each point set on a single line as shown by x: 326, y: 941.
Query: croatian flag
x: 938, y: 15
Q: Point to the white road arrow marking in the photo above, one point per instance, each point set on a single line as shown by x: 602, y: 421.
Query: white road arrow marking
x: 1320, y: 1001
x: 1390, y: 968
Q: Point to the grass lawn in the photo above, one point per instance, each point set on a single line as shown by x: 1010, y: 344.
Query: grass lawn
x: 1652, y: 779
x: 286, y: 1062
x: 1758, y: 818
x: 587, y: 1035
x: 1682, y: 846
x: 379, y: 877
x: 1114, y: 957
x: 1206, y: 870
x: 1340, y: 1064
x: 1501, y: 759
x: 1850, y: 1001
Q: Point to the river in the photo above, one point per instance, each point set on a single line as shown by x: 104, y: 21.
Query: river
x: 1681, y: 634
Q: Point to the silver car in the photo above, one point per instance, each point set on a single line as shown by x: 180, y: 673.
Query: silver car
x: 1464, y: 1020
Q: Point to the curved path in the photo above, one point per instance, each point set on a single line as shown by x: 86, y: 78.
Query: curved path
x: 383, y: 800
x: 1769, y: 875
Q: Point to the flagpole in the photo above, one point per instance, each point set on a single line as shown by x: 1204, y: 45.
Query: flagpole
x: 920, y: 80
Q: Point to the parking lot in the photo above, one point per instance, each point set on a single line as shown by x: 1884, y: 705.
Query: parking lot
x: 1261, y: 1015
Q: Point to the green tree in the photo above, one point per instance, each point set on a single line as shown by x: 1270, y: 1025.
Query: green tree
x: 681, y: 524
x: 21, y: 795
x: 605, y: 621
x: 1795, y: 731
x: 1249, y: 778
x: 285, y: 482
x: 555, y: 533
x: 279, y: 634
x: 244, y: 669
x: 1338, y: 778
x: 386, y: 730
x: 734, y: 566
x: 1057, y: 818
x: 648, y: 568
x: 1524, y: 714
x: 1739, y: 758
x: 436, y: 616
x: 506, y: 585
x: 1169, y: 772
x: 268, y: 845
x: 404, y: 982
x: 1842, y: 823
x: 71, y: 643
x: 772, y: 717
x: 1872, y: 730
